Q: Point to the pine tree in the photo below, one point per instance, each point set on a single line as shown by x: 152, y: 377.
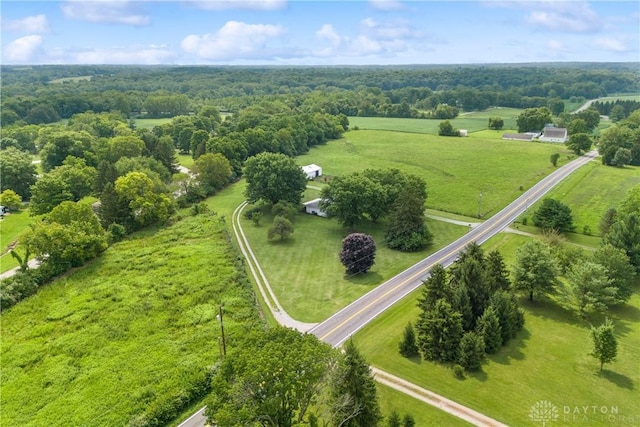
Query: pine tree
x: 462, y: 304
x: 394, y: 419
x: 497, y: 274
x: 408, y: 421
x: 353, y: 392
x: 434, y: 288
x: 471, y: 351
x: 502, y: 308
x: 408, y: 346
x: 488, y: 328
x: 439, y: 332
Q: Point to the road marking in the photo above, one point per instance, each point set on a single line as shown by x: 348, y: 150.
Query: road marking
x: 507, y: 212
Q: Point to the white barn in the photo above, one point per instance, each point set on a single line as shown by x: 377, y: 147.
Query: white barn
x: 312, y: 207
x: 312, y: 171
x: 553, y: 134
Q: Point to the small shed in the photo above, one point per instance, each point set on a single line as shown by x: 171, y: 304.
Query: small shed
x: 312, y: 171
x: 312, y: 207
x: 463, y: 132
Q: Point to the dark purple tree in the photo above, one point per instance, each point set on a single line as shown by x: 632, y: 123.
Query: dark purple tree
x: 358, y: 253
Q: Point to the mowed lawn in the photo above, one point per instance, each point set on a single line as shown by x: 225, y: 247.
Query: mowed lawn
x: 105, y: 342
x: 305, y: 270
x: 466, y: 176
x: 548, y: 360
x: 12, y: 226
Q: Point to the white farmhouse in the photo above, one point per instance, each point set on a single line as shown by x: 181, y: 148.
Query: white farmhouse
x: 312, y: 171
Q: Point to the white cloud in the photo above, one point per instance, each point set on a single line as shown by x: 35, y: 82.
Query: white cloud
x: 327, y: 32
x: 563, y: 16
x: 113, y: 11
x: 386, y: 5
x: 235, y: 40
x: 30, y: 24
x: 394, y: 30
x: 22, y: 50
x: 614, y: 44
x: 556, y: 49
x: 135, y: 54
x: 239, y: 4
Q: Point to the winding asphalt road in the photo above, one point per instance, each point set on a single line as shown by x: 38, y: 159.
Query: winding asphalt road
x: 339, y: 327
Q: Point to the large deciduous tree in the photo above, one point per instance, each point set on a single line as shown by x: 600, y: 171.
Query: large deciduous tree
x: 146, y: 205
x: 72, y: 181
x: 350, y: 198
x: 579, y: 143
x: 62, y: 144
x: 273, y: 177
x: 281, y: 227
x: 535, y: 269
x: 533, y: 119
x: 272, y: 379
x: 16, y: 171
x: 213, y: 172
x: 588, y: 289
x: 353, y: 392
x: 68, y: 236
x: 358, y: 253
x: 553, y: 215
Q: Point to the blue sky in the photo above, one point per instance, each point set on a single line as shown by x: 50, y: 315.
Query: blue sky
x: 281, y: 32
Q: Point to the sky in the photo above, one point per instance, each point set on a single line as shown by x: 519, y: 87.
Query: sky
x: 303, y: 32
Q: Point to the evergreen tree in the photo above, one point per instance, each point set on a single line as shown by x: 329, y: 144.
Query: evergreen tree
x: 408, y: 421
x: 625, y: 234
x: 355, y: 388
x: 588, y: 289
x: 471, y: 351
x: 605, y: 345
x: 394, y: 419
x: 439, y: 332
x: 619, y: 270
x: 502, y: 308
x: 113, y: 209
x: 488, y: 327
x: 408, y: 346
x: 462, y: 304
x: 434, y: 288
x: 497, y: 274
x: 407, y: 230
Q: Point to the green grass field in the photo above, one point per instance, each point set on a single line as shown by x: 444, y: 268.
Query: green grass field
x: 457, y: 170
x: 548, y: 360
x: 473, y: 121
x: 305, y: 270
x: 593, y: 189
x: 105, y: 342
x: 150, y: 123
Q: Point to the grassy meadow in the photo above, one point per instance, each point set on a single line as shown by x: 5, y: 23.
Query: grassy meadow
x: 593, y: 189
x: 107, y: 341
x: 457, y: 170
x: 548, y: 360
x: 472, y: 121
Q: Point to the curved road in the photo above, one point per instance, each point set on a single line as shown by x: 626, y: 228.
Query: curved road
x: 339, y: 327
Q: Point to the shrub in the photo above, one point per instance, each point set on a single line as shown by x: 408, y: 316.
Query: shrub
x: 458, y: 371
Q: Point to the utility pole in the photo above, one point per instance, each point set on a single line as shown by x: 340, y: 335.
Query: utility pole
x: 224, y: 344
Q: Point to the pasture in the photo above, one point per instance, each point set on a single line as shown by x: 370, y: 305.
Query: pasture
x: 548, y: 360
x: 473, y: 121
x: 593, y: 189
x: 150, y: 123
x: 128, y: 332
x: 467, y: 176
x: 11, y: 228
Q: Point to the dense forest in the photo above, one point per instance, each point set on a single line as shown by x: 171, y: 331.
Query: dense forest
x: 46, y: 94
